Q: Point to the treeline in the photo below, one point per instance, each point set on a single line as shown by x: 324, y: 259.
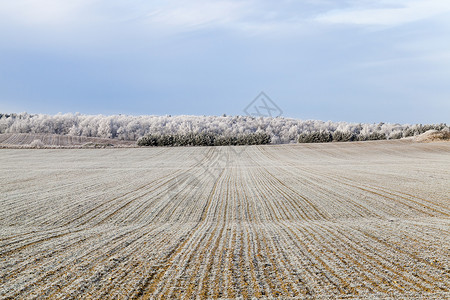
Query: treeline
x: 342, y: 136
x: 204, y: 139
x: 131, y: 128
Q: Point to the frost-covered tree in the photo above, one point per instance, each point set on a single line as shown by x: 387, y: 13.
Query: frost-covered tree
x: 194, y: 128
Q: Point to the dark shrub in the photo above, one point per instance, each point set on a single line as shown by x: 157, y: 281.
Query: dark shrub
x: 204, y: 139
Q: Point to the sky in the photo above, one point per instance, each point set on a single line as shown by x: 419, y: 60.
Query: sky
x: 356, y: 60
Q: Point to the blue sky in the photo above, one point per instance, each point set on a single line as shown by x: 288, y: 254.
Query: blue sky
x: 358, y: 61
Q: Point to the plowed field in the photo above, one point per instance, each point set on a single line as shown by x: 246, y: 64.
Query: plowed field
x: 25, y: 140
x: 336, y: 220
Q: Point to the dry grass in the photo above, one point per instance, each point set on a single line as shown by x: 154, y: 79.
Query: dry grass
x: 365, y: 219
x: 433, y: 136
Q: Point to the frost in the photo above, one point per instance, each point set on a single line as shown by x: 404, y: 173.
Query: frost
x: 131, y: 128
x: 37, y: 144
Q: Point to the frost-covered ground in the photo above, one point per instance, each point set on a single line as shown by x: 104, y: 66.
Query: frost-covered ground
x: 41, y: 140
x: 362, y: 219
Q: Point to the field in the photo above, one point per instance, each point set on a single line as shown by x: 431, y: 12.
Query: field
x: 25, y: 140
x: 337, y: 220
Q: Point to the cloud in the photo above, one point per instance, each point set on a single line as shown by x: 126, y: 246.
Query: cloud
x: 42, y: 12
x: 184, y: 15
x: 196, y: 14
x: 248, y: 16
x: 387, y: 13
